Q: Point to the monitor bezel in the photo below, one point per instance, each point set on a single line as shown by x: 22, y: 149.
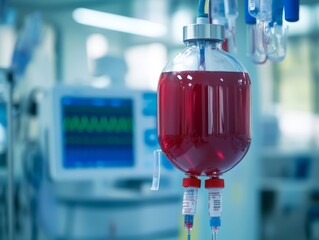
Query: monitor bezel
x: 57, y: 171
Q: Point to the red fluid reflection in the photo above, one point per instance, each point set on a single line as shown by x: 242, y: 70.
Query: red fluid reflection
x: 204, y: 120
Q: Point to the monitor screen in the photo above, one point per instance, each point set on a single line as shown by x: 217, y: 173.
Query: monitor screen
x: 97, y: 132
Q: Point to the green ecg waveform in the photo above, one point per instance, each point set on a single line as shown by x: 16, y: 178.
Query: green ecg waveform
x: 92, y: 124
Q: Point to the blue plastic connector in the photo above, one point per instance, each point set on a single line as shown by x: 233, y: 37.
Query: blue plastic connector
x: 248, y: 18
x: 188, y: 221
x: 215, y: 222
x: 292, y: 10
x: 201, y: 9
x: 277, y: 12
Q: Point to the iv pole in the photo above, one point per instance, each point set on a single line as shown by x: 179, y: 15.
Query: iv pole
x: 10, y: 159
x: 25, y: 45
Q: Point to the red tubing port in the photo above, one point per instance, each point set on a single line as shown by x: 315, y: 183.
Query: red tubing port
x: 191, y: 182
x: 214, y: 183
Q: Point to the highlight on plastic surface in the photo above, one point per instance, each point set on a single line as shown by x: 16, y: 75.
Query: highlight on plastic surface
x: 279, y: 38
x: 252, y: 52
x: 156, y: 170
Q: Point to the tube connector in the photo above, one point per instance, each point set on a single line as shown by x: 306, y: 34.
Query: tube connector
x: 214, y: 187
x: 203, y: 32
x: 188, y: 221
x: 202, y: 20
x: 215, y: 222
x: 190, y: 201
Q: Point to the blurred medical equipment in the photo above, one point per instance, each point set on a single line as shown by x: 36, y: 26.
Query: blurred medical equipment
x: 104, y: 121
x: 312, y: 220
x: 96, y: 147
x: 204, y: 114
x: 28, y: 39
x: 267, y: 36
x: 3, y: 127
x: 114, y: 67
x: 3, y: 146
x: 26, y: 43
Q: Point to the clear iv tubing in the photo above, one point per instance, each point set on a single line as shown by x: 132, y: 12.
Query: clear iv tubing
x: 265, y: 14
x: 217, y: 12
x: 231, y: 13
x: 262, y: 11
x: 279, y: 34
x: 264, y: 19
x: 253, y: 8
x: 202, y: 56
x: 217, y: 16
x: 256, y: 57
x: 214, y: 234
x: 203, y: 6
x: 252, y: 41
x: 202, y: 18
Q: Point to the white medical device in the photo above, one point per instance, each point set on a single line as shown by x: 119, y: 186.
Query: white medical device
x: 100, y: 133
x: 98, y: 147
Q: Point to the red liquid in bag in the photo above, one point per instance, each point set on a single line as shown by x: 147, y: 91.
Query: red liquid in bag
x: 204, y: 120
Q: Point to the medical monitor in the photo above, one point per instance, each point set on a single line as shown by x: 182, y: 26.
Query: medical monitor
x: 99, y: 133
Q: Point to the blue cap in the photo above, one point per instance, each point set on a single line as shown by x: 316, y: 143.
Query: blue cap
x: 189, y: 218
x: 215, y: 222
x: 248, y: 18
x: 292, y: 10
x: 277, y: 11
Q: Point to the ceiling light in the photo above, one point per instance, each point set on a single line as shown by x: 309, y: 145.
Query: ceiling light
x: 118, y: 23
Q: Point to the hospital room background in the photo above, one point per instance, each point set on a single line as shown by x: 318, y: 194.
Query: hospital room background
x: 79, y: 129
